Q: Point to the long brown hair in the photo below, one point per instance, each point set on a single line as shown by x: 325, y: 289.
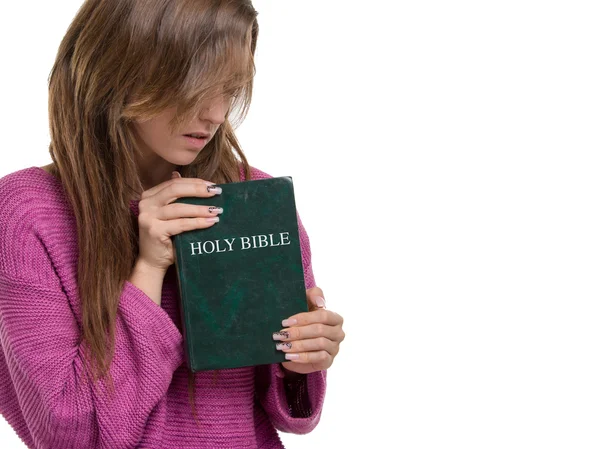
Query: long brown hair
x: 122, y: 60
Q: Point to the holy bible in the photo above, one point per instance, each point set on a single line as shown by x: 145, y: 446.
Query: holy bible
x: 239, y: 278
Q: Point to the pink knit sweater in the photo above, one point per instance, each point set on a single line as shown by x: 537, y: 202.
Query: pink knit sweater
x: 40, y: 362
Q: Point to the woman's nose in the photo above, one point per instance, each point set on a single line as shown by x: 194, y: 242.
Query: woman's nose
x: 216, y: 110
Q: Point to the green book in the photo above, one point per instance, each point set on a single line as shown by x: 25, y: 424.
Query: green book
x: 239, y: 278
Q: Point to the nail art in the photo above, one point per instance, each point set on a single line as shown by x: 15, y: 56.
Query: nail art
x: 281, y: 335
x: 215, y: 210
x: 215, y: 189
x: 282, y: 346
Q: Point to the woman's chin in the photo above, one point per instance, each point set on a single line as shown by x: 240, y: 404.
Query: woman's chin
x: 183, y: 157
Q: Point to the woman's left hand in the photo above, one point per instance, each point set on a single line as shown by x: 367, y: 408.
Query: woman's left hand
x: 313, y: 338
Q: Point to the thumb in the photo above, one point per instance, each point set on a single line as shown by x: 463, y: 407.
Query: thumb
x: 315, y: 302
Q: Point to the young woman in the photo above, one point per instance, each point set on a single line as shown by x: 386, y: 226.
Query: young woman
x: 92, y: 356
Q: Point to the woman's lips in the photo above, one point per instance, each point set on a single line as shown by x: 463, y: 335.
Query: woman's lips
x: 196, y: 142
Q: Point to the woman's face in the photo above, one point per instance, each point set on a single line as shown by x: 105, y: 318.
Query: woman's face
x: 159, y: 145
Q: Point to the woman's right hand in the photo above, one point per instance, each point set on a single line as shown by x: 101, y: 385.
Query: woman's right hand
x: 159, y: 219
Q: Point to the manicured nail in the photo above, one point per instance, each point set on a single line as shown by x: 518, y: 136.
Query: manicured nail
x: 291, y: 356
x: 320, y: 301
x: 282, y: 335
x: 282, y: 346
x: 215, y: 210
x: 213, y: 188
x: 289, y: 322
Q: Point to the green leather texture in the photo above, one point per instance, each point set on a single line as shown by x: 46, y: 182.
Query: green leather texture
x: 236, y: 287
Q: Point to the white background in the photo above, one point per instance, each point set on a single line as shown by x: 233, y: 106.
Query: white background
x: 445, y: 163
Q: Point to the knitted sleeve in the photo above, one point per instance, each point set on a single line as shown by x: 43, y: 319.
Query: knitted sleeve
x: 293, y: 407
x: 42, y: 352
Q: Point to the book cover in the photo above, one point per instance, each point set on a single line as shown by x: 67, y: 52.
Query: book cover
x: 239, y: 278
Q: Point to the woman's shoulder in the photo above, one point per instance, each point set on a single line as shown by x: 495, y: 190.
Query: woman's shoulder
x: 29, y: 188
x: 48, y: 169
x: 38, y: 178
x: 33, y: 217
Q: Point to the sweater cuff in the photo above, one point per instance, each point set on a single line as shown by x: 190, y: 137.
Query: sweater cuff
x: 296, y: 392
x: 154, y: 317
x: 298, y: 404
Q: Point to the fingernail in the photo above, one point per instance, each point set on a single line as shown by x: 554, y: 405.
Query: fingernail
x: 282, y: 346
x: 281, y: 335
x: 291, y: 356
x: 175, y: 174
x: 215, y: 189
x: 320, y: 301
x: 215, y: 210
x: 289, y: 322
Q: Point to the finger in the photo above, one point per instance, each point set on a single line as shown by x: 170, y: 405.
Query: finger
x: 314, y: 291
x: 315, y: 302
x: 320, y: 358
x: 181, y: 210
x: 160, y: 187
x: 316, y: 330
x: 179, y: 188
x: 312, y: 295
x: 163, y: 230
x: 315, y: 316
x: 309, y: 344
